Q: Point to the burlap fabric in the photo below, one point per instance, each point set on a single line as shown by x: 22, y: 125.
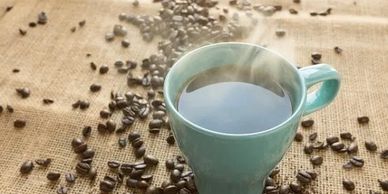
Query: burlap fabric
x: 53, y: 65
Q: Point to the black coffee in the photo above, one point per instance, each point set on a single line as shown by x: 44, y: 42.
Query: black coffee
x: 234, y: 100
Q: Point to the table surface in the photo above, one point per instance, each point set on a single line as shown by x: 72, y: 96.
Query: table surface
x: 53, y: 65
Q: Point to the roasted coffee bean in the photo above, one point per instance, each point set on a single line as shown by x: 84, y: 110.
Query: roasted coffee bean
x: 107, y: 186
x: 15, y: 70
x: 316, y: 160
x: 284, y: 189
x: 298, y: 137
x: 86, y: 131
x: 151, y: 94
x: 88, y: 153
x: 363, y: 120
x: 383, y: 184
x: 82, y: 168
x: 147, y: 177
x: 143, y: 113
x: 82, y: 23
x: 123, y: 142
x: 346, y: 136
x: 384, y: 154
x: 179, y: 167
x: 81, y: 148
x: 70, y: 177
x: 43, y: 162
x: 76, y: 142
x: 296, y: 187
x: 62, y: 190
x: 26, y: 167
x: 109, y: 178
x: 105, y: 113
x: 170, y: 189
x: 303, y: 177
x: 110, y: 126
x: 139, y: 152
x: 314, y: 61
x: 22, y: 32
x: 180, y: 159
x: 87, y: 160
x: 42, y: 18
x: 127, y: 121
x: 93, y: 66
x: 313, y: 136
x: 76, y: 104
x: 270, y: 182
x: 119, y: 64
x: 308, y: 149
x: 47, y: 101
x: 137, y: 143
x: 104, y: 69
x: 155, y: 123
x: 125, y: 43
x: 10, y: 109
x: 133, y: 135
x: 271, y: 190
x: 132, y: 183
x: 274, y: 172
x: 114, y: 164
x: 153, y: 190
x: 92, y: 173
x: 126, y: 169
x: 338, y: 50
x: 307, y: 123
x: 348, y: 184
x: 170, y: 139
x: 280, y: 32
x: 53, y: 176
x: 150, y: 160
x: 371, y: 146
x: 312, y: 174
x: 154, y: 130
x: 316, y: 56
x: 95, y: 87
x: 332, y: 139
x: 19, y: 123
x: 187, y: 174
x: 8, y: 8
x: 337, y: 146
x: 142, y: 184
x: 357, y: 161
x: 101, y: 128
x: 140, y: 166
x: 170, y: 164
x: 347, y: 165
x: 313, y: 13
x: 83, y: 104
x: 293, y: 11
x: 353, y: 148
x: 136, y: 174
x: 109, y: 36
x: 23, y: 92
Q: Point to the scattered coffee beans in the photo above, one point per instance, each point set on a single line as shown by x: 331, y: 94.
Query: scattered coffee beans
x: 307, y: 123
x: 70, y: 177
x: 47, y: 101
x: 298, y: 137
x: 19, y: 123
x: 338, y: 50
x: 53, y: 176
x: 95, y: 87
x: 348, y: 184
x: 371, y: 146
x: 316, y: 160
x: 363, y: 120
x: 22, y: 32
x: 104, y: 69
x: 383, y: 184
x: 62, y: 190
x: 42, y: 18
x: 26, y: 167
x: 43, y: 162
x: 384, y: 154
x: 23, y: 92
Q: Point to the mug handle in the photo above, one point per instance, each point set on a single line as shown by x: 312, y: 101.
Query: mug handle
x: 326, y: 93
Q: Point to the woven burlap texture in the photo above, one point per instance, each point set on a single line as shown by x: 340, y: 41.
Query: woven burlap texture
x: 53, y: 65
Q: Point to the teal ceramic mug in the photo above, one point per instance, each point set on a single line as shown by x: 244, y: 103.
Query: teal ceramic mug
x: 225, y: 163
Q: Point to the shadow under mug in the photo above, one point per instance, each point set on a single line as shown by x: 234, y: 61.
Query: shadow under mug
x: 225, y: 163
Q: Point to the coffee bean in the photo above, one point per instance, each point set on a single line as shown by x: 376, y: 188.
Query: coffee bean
x: 338, y: 50
x: 43, y: 162
x: 107, y: 186
x: 307, y: 123
x: 22, y: 32
x: 313, y: 136
x: 140, y: 166
x: 105, y: 113
x: 179, y: 167
x: 270, y: 182
x: 384, y: 154
x: 137, y: 143
x: 347, y: 166
x: 70, y: 177
x: 123, y: 142
x: 170, y: 189
x: 308, y: 149
x: 109, y: 36
x: 371, y: 146
x: 47, y: 101
x: 284, y: 189
x: 42, y: 18
x: 150, y: 160
x: 271, y: 190
x: 293, y: 11
x: 88, y: 153
x: 170, y: 139
x: 298, y: 137
x: 353, y: 148
x: 8, y: 8
x: 110, y: 126
x: 147, y: 177
x: 81, y: 148
x: 15, y: 70
x: 136, y: 174
x: 23, y: 92
x: 383, y: 184
x: 153, y: 190
x: 274, y: 172
x: 125, y: 43
x: 357, y: 161
x: 280, y: 33
x: 114, y: 164
x: 337, y: 146
x: 104, y: 69
x: 170, y: 164
x: 332, y: 139
x: 62, y: 190
x: 119, y: 30
x: 363, y: 120
x: 139, y: 152
x: 76, y: 104
x: 348, y: 184
x: 313, y: 13
x: 53, y: 176
x: 10, y: 109
x: 95, y: 87
x: 346, y: 136
x: 76, y: 142
x: 316, y: 56
x: 155, y: 123
x: 126, y: 169
x: 83, y: 104
x: 181, y: 159
x: 295, y: 187
x: 87, y: 160
x: 72, y: 29
x: 142, y: 184
x: 82, y: 168
x: 128, y: 121
x: 175, y: 175
x: 132, y: 183
x: 86, y: 131
x: 303, y: 177
x: 316, y: 160
x: 19, y: 123
x: 92, y: 173
x: 133, y: 135
x: 101, y: 128
x: 93, y: 66
x: 26, y: 167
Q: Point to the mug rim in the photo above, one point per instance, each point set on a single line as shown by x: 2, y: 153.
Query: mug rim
x: 175, y: 112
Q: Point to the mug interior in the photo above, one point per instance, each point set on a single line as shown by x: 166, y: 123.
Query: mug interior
x: 261, y: 61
